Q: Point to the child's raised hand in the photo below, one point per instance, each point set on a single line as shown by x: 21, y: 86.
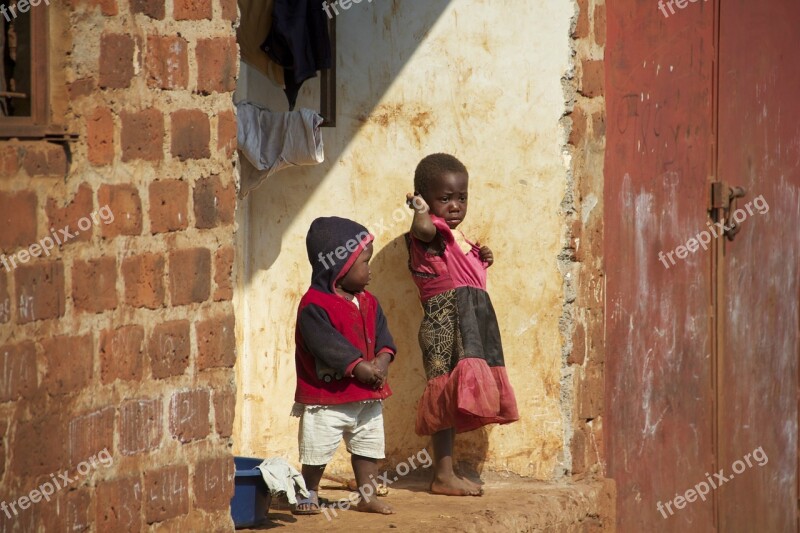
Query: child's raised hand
x: 486, y: 254
x: 417, y: 203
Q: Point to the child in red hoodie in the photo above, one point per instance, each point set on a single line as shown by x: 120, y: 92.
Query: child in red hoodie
x: 342, y: 357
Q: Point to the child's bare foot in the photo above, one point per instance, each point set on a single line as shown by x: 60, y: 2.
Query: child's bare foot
x: 472, y: 484
x: 373, y: 505
x: 455, y: 486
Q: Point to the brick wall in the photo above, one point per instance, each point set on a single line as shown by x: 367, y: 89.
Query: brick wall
x: 122, y: 338
x: 582, y: 256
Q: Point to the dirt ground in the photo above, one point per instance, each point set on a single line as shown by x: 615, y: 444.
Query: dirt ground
x: 517, y: 505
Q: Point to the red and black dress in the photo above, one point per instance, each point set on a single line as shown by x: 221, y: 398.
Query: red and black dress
x: 460, y: 340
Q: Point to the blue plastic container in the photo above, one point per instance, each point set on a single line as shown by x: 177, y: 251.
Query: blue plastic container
x: 251, y: 497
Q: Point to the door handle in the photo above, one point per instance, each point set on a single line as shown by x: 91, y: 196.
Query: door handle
x: 723, y: 203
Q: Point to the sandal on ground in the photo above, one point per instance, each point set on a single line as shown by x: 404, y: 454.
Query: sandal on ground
x: 312, y: 500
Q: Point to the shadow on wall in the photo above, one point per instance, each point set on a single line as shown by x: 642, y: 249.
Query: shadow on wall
x: 374, y: 45
x: 378, y: 53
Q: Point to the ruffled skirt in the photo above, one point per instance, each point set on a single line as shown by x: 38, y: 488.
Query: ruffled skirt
x: 462, y: 353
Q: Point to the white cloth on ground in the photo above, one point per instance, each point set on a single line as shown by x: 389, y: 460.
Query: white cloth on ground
x: 280, y: 476
x: 274, y: 141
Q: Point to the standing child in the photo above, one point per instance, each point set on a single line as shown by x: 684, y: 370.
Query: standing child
x: 342, y: 357
x: 461, y: 350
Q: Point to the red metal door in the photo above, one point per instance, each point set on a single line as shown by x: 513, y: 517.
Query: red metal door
x: 702, y: 346
x: 658, y: 408
x: 759, y: 149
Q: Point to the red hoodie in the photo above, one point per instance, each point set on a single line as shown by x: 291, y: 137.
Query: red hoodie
x: 332, y: 334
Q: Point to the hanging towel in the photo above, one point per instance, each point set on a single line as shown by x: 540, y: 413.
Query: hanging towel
x: 280, y: 476
x: 274, y: 141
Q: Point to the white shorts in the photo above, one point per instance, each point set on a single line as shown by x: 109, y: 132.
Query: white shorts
x: 323, y: 426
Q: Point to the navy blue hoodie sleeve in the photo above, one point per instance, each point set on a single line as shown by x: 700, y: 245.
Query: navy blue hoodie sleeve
x: 383, y: 339
x: 324, y: 341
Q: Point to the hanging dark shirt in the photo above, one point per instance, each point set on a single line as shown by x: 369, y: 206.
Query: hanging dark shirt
x: 299, y: 42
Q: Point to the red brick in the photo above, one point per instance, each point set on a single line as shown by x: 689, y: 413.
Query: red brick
x: 590, y: 393
x: 191, y: 9
x: 3, y: 455
x: 40, y: 291
x: 578, y: 354
x: 154, y: 9
x: 116, y: 61
x: 593, y: 77
x: 230, y: 10
x: 213, y: 204
x: 124, y: 202
x: 5, y: 299
x: 100, y: 136
x: 600, y: 24
x: 167, y: 62
x: 70, y: 511
x: 9, y: 161
x: 94, y: 284
x: 169, y: 200
x: 166, y: 493
x: 80, y: 88
x: 119, y: 505
x: 122, y: 354
x: 169, y: 349
x: 191, y: 134
x: 216, y: 342
x: 190, y: 275
x: 223, y: 270
x: 189, y: 415
x: 217, y: 64
x: 144, y: 280
x: 81, y: 205
x: 140, y: 422
x: 90, y: 434
x: 578, y: 133
x: 17, y: 219
x: 599, y: 125
x: 44, y: 159
x: 224, y: 405
x: 226, y: 132
x: 582, y: 26
x: 69, y: 363
x: 19, y: 376
x: 213, y: 483
x: 578, y: 449
x: 31, y: 459
x: 142, y: 135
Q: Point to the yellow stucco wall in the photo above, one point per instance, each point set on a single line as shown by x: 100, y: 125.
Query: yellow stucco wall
x: 478, y: 79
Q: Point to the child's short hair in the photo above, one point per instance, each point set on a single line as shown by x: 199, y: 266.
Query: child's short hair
x: 432, y: 167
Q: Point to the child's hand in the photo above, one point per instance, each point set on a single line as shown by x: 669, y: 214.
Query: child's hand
x: 381, y: 363
x: 417, y: 203
x: 486, y: 255
x: 368, y: 374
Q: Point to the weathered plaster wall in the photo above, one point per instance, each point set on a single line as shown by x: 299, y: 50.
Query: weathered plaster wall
x: 482, y: 80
